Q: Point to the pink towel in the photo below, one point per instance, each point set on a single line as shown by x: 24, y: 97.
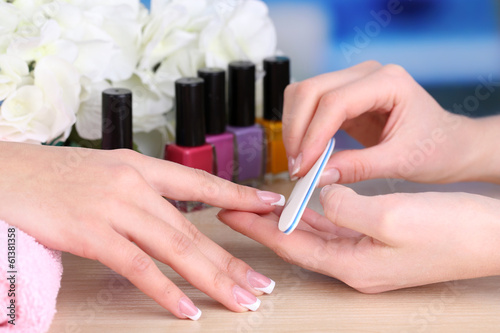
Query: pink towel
x: 30, y: 278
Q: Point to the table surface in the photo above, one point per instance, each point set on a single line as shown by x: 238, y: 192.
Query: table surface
x: 95, y: 299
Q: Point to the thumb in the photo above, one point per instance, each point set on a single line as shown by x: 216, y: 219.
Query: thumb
x: 351, y: 166
x: 345, y: 208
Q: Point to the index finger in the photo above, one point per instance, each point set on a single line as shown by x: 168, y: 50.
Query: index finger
x: 178, y: 182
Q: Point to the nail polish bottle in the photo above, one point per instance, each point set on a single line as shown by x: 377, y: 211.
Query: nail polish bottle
x: 190, y: 148
x: 249, y: 136
x: 276, y: 79
x: 116, y: 119
x: 215, y: 121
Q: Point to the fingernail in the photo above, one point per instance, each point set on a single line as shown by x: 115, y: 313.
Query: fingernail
x: 296, y: 167
x: 330, y: 176
x: 324, y: 191
x: 246, y: 299
x: 260, y: 282
x: 274, y: 199
x: 291, y: 163
x: 188, y: 309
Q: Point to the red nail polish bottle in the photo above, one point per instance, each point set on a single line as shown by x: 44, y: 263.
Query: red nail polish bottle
x: 190, y: 148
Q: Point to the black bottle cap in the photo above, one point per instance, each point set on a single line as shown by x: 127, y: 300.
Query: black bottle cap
x: 241, y: 93
x: 276, y: 79
x: 116, y: 118
x: 215, y: 99
x: 190, y: 117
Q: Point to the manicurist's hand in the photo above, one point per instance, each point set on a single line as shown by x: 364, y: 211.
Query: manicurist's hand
x: 387, y: 242
x: 108, y: 206
x: 407, y: 133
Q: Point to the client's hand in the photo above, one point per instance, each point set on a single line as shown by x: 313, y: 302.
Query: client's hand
x: 108, y: 206
x: 380, y: 243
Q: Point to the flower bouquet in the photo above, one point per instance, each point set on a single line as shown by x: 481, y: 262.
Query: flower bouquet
x: 56, y: 58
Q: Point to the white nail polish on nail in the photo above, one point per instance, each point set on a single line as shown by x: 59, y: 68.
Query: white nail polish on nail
x: 296, y: 166
x: 195, y: 317
x: 252, y: 307
x: 269, y: 289
x: 281, y: 202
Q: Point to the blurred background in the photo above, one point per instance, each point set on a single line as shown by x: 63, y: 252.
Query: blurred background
x: 449, y: 46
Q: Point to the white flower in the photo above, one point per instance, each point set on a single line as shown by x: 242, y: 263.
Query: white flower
x: 12, y: 73
x: 45, y: 111
x: 9, y: 19
x: 89, y: 117
x: 49, y: 42
x: 243, y: 31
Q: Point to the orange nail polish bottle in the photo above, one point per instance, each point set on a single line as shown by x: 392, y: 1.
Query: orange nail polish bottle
x: 276, y: 79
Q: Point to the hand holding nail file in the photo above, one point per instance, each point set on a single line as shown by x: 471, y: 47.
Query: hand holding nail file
x: 302, y: 192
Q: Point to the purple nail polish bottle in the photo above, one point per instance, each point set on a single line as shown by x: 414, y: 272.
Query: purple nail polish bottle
x: 249, y: 137
x: 215, y: 121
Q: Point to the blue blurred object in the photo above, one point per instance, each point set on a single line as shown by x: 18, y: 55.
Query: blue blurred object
x: 448, y: 46
x: 147, y: 3
x: 436, y: 41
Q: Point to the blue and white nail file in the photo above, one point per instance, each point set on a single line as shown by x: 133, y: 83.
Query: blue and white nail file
x: 302, y: 192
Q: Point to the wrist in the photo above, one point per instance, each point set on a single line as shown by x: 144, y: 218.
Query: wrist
x: 484, y: 150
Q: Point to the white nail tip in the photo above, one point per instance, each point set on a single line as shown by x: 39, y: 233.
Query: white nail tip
x: 269, y: 289
x: 281, y: 202
x: 195, y: 317
x: 252, y: 307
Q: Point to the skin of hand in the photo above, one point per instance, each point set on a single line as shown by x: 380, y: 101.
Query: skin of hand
x: 97, y: 204
x: 394, y: 241
x: 408, y: 135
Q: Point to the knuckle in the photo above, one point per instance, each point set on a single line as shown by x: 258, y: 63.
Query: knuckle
x: 181, y: 244
x: 195, y: 235
x: 332, y: 99
x: 125, y: 174
x: 219, y: 280
x: 140, y: 264
x: 372, y: 64
x: 233, y: 264
x: 361, y: 170
x: 394, y: 70
x: 334, y: 200
x: 209, y: 185
x: 305, y: 88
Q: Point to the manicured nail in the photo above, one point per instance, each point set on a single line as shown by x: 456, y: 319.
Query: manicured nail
x: 260, y: 282
x: 291, y: 164
x: 330, y: 176
x: 274, y: 199
x: 324, y: 191
x: 246, y: 299
x: 188, y: 309
x: 296, y: 167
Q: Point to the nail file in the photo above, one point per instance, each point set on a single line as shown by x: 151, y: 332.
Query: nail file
x: 302, y: 192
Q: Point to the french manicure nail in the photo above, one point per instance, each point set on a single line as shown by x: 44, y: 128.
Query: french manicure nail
x: 324, y: 191
x: 260, y: 282
x: 296, y: 166
x: 330, y: 176
x: 246, y: 299
x: 274, y: 199
x: 188, y: 309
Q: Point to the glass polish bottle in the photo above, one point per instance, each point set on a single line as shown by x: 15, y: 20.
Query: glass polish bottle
x: 216, y: 121
x: 276, y: 79
x: 117, y: 119
x: 190, y: 148
x: 249, y: 136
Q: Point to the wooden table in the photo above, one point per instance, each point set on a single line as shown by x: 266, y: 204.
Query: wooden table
x: 95, y: 299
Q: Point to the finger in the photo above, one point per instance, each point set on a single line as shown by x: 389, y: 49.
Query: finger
x: 238, y: 270
x: 379, y: 91
x: 301, y: 101
x: 174, y: 248
x: 178, y: 182
x: 347, y: 209
x: 131, y: 262
x: 351, y: 166
x: 324, y: 225
x: 265, y: 231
